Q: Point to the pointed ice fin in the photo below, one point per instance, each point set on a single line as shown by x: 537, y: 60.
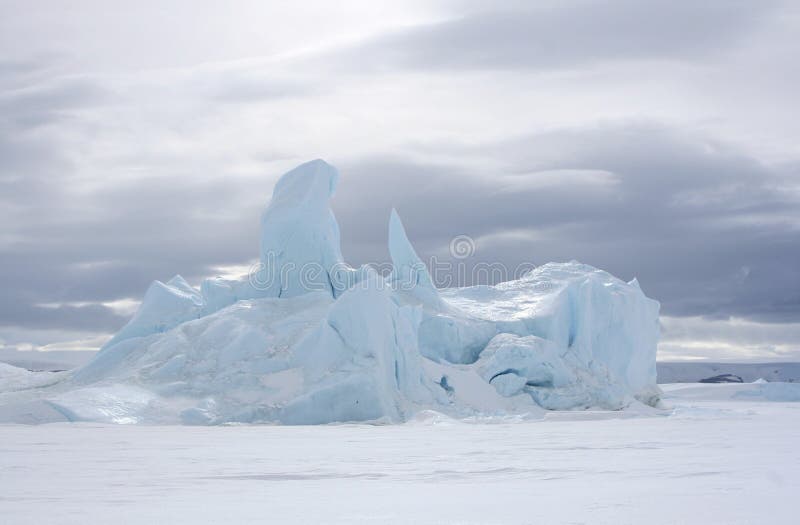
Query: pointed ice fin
x: 179, y: 283
x: 409, y: 273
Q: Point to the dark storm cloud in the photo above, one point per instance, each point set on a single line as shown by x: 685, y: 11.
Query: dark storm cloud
x: 563, y: 34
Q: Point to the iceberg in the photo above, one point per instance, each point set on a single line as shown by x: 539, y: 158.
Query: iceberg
x: 308, y: 339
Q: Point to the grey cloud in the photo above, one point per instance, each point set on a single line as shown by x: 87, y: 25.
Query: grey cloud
x: 22, y: 71
x: 692, y: 254
x: 564, y: 34
x: 33, y: 161
x: 668, y: 217
x: 14, y: 72
x: 752, y: 339
x: 247, y: 88
x: 113, y: 242
x: 46, y: 102
x: 24, y: 157
x: 62, y: 245
x: 666, y: 209
x: 58, y: 244
x: 708, y: 229
x: 93, y: 317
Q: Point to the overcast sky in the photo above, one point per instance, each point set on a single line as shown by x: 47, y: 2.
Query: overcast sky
x: 657, y: 140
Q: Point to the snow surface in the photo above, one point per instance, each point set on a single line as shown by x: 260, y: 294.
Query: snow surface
x: 714, y: 457
x: 308, y: 339
x: 13, y: 378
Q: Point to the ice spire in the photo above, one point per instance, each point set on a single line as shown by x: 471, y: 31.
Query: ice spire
x: 409, y: 273
x: 300, y: 243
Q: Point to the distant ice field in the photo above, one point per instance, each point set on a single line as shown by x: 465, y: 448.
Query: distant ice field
x: 719, y: 454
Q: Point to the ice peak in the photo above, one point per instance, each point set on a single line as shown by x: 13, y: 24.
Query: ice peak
x: 300, y: 243
x: 409, y: 273
x: 313, y: 181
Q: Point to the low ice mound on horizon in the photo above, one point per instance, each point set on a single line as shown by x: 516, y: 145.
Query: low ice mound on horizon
x: 308, y: 339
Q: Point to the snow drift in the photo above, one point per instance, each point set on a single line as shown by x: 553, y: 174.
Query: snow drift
x: 308, y: 339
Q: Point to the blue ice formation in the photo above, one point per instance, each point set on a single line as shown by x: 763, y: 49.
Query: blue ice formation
x: 307, y: 339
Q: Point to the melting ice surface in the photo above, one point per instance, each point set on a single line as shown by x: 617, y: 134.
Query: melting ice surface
x: 326, y: 342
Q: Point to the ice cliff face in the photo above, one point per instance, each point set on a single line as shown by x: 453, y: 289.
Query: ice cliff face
x: 308, y: 339
x: 577, y: 336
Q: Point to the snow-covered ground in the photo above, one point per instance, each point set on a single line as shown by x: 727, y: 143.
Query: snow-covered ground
x: 723, y: 454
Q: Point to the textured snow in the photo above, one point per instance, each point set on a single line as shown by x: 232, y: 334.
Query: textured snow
x: 713, y: 457
x: 14, y: 378
x: 308, y: 339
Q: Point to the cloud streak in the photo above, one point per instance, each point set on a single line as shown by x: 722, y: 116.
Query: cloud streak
x: 562, y: 35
